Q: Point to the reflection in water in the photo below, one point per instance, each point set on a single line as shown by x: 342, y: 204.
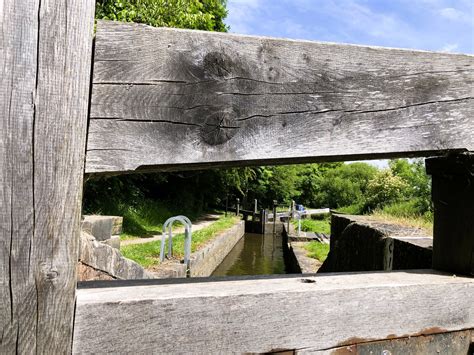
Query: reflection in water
x: 254, y: 254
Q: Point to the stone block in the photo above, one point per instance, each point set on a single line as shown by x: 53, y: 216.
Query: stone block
x: 102, y: 227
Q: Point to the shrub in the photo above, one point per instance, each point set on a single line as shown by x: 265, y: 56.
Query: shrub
x: 385, y: 188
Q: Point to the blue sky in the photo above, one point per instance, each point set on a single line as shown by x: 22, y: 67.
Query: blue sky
x: 436, y: 25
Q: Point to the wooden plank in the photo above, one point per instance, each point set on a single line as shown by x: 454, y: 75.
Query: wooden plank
x: 453, y: 343
x: 264, y: 314
x: 453, y: 201
x: 45, y: 63
x: 165, y: 97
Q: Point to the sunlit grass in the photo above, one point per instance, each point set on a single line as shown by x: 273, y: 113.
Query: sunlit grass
x: 317, y: 250
x: 148, y: 254
x: 316, y: 226
x: 414, y: 221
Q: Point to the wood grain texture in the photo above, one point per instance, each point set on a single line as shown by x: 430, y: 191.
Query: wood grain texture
x: 452, y: 343
x: 260, y: 315
x: 163, y: 98
x: 453, y: 200
x: 45, y: 62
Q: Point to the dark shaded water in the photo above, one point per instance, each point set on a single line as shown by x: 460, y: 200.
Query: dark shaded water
x: 255, y: 254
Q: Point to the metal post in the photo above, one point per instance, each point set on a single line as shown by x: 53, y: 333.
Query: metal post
x: 226, y: 204
x: 299, y: 223
x: 255, y: 206
x: 288, y: 222
x: 170, y: 241
x: 237, y: 211
x: 263, y: 219
x: 274, y: 215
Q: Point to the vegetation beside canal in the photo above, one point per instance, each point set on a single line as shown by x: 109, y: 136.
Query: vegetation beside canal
x: 314, y: 225
x: 317, y: 250
x: 148, y: 254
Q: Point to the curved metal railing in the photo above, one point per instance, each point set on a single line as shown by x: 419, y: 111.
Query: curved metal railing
x: 187, y: 238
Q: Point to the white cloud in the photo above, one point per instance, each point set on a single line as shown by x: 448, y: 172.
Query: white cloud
x: 242, y: 15
x: 355, y: 16
x: 453, y: 14
x: 450, y: 47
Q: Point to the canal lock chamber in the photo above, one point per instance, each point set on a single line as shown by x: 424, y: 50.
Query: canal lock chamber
x: 260, y: 254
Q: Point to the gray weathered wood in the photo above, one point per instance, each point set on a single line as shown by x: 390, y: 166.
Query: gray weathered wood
x: 45, y: 62
x: 165, y: 97
x: 452, y: 343
x: 261, y: 315
x: 453, y: 200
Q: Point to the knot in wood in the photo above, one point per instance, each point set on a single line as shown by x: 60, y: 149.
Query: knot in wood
x: 218, y: 128
x: 218, y: 65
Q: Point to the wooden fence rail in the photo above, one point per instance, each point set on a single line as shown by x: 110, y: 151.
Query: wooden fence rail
x: 270, y: 314
x: 178, y: 99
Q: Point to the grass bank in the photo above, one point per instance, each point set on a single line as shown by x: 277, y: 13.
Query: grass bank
x: 320, y: 225
x: 317, y: 250
x: 420, y: 222
x: 148, y: 254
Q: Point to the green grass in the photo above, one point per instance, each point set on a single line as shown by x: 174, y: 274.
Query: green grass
x: 147, y: 219
x: 148, y: 254
x: 317, y: 250
x: 143, y: 219
x: 420, y: 222
x: 316, y: 226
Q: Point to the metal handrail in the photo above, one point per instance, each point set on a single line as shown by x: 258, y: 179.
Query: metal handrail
x: 187, y: 241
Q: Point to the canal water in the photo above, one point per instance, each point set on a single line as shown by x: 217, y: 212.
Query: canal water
x: 256, y: 254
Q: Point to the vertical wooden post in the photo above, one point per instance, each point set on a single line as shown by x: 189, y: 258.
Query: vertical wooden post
x: 453, y: 199
x: 45, y: 63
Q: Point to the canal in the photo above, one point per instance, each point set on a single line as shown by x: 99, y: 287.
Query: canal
x: 257, y: 254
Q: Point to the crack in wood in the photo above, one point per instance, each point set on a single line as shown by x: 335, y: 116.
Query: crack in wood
x: 218, y: 128
x: 353, y: 112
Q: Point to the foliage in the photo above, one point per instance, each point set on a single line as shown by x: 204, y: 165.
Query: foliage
x: 344, y: 185
x: 424, y: 222
x: 316, y: 226
x: 317, y: 250
x: 205, y: 15
x: 148, y: 254
x: 418, y: 183
x: 384, y: 188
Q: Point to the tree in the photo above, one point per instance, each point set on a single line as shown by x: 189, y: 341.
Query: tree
x: 343, y: 185
x: 205, y: 15
x: 418, y: 182
x: 384, y: 189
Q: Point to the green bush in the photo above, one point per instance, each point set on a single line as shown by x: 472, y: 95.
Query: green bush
x: 321, y: 216
x: 402, y: 209
x: 383, y: 189
x: 352, y: 209
x: 408, y: 209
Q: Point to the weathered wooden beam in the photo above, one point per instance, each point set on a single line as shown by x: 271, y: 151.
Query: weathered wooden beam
x: 453, y: 200
x: 45, y: 64
x: 265, y: 314
x: 453, y: 343
x: 163, y: 98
